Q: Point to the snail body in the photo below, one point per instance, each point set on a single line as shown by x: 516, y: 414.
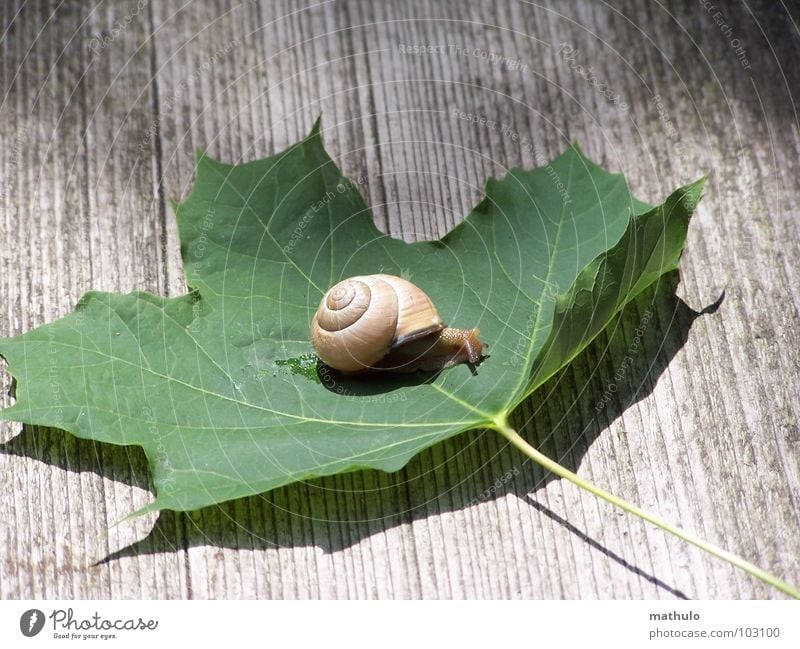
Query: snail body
x: 384, y: 322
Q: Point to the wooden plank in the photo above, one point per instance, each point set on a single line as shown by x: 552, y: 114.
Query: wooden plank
x: 79, y: 213
x: 693, y: 417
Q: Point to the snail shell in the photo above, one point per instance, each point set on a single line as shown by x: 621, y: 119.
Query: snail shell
x: 386, y: 322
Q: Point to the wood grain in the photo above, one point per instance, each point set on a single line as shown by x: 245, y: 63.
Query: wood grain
x: 103, y: 106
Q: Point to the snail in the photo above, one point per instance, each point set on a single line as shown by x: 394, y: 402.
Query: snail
x: 383, y: 322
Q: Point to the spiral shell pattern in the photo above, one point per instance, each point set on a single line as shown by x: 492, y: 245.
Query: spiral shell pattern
x: 361, y: 318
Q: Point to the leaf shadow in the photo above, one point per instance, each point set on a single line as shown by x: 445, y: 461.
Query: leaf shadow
x: 337, y: 512
x: 126, y: 464
x: 610, y: 554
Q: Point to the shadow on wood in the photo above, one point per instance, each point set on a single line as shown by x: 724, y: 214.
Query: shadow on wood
x: 603, y: 550
x: 127, y: 464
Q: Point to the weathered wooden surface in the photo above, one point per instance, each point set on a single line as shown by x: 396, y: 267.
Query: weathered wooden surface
x: 103, y: 105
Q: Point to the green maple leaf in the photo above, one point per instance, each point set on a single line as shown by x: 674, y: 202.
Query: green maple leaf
x: 220, y: 387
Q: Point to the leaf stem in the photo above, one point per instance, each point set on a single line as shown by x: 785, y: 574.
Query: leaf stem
x: 502, y: 427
